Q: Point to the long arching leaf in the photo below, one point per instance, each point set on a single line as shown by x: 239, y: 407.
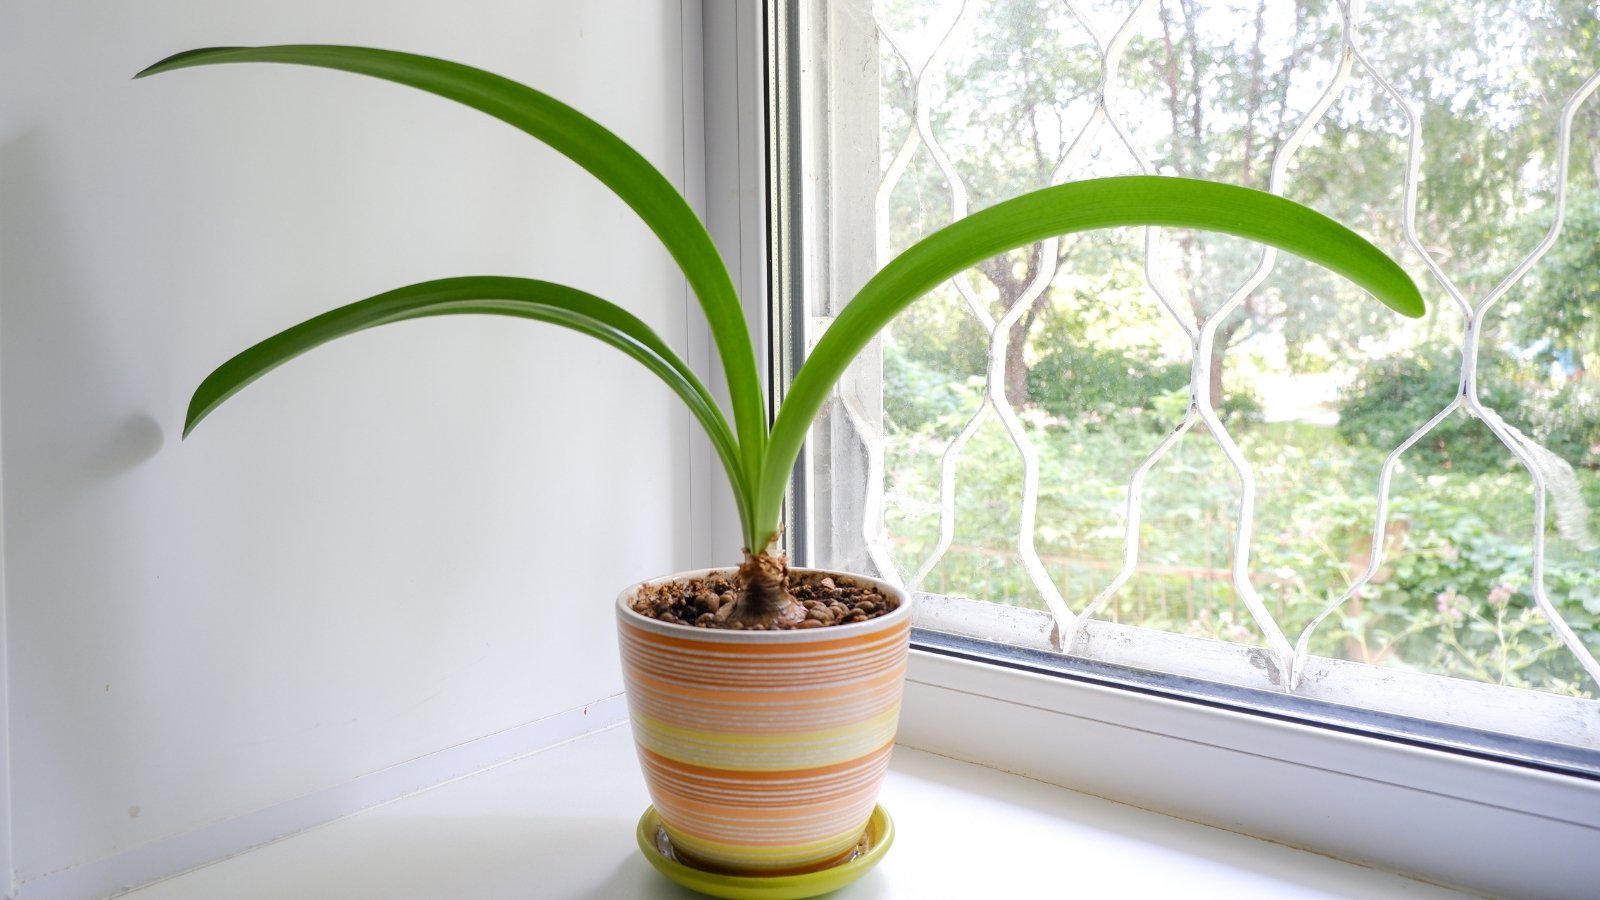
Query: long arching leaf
x: 586, y: 143
x: 1067, y: 208
x: 493, y: 295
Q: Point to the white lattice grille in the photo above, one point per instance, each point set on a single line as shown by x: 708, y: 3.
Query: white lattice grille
x: 1110, y: 89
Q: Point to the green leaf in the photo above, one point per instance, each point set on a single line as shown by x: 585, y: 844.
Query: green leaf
x: 487, y: 295
x: 1077, y: 206
x: 586, y: 143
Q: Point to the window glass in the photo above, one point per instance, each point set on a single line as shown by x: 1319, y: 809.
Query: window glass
x: 1177, y: 448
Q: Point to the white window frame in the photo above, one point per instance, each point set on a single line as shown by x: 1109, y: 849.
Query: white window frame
x: 1449, y: 817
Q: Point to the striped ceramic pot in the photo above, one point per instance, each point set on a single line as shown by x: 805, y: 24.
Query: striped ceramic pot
x: 764, y: 750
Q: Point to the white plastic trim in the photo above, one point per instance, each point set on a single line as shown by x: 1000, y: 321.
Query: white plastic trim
x: 7, y: 868
x: 1453, y: 701
x: 732, y: 181
x: 1450, y: 819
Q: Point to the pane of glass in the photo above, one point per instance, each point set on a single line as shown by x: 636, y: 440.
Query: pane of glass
x: 998, y: 429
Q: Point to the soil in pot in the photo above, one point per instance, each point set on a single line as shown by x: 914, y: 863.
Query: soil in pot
x: 827, y: 600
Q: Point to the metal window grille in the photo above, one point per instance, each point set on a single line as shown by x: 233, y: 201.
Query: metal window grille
x: 856, y: 163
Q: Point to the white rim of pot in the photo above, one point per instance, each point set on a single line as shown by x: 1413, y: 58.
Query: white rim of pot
x: 900, y: 613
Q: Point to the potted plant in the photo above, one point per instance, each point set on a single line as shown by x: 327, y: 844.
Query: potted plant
x: 764, y: 699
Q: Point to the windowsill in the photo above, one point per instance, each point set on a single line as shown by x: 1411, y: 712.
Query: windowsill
x: 1499, y: 829
x: 559, y: 823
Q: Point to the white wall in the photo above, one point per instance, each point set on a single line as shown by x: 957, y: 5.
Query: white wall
x: 401, y: 542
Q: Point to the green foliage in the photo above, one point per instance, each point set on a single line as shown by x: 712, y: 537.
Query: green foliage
x: 1566, y: 419
x: 1210, y: 93
x: 1483, y: 624
x: 916, y: 394
x: 758, y: 458
x: 942, y: 335
x: 1452, y: 595
x: 1452, y: 535
x: 1561, y: 303
x: 1391, y: 397
x: 1071, y: 382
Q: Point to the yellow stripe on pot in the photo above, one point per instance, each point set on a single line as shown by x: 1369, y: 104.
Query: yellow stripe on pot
x: 766, y: 752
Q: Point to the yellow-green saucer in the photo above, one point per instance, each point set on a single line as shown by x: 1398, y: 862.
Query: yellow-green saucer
x: 657, y: 848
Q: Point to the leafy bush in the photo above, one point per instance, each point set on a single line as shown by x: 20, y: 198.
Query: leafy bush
x: 1457, y: 601
x: 1082, y: 386
x: 1071, y: 381
x: 1567, y: 421
x: 1452, y: 595
x: 1392, y: 397
x: 916, y: 394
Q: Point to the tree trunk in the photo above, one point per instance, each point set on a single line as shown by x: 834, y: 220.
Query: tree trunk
x: 1253, y: 103
x: 1012, y: 286
x: 1016, y: 362
x: 1225, y: 334
x: 1253, y: 96
x: 1191, y: 33
x: 1183, y: 76
x: 1170, y: 70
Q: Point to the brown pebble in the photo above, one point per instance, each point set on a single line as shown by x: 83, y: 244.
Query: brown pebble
x: 810, y: 623
x: 826, y: 584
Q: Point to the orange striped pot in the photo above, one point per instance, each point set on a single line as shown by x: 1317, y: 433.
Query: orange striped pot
x: 764, y: 750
